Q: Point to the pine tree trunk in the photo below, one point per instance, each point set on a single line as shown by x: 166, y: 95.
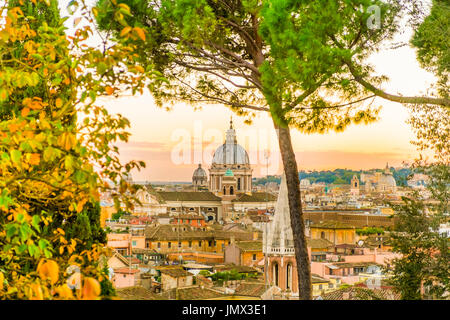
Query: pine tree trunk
x: 296, y: 213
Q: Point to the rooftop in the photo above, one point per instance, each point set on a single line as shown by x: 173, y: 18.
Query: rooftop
x: 175, y: 272
x: 332, y: 225
x: 318, y: 279
x: 255, y: 197
x: 250, y: 245
x: 357, y: 293
x: 198, y: 293
x: 126, y: 270
x: 251, y: 289
x: 188, y: 196
x: 318, y: 243
x: 137, y: 293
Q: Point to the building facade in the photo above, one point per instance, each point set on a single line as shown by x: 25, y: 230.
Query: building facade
x: 230, y: 171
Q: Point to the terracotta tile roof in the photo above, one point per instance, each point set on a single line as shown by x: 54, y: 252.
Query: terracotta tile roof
x: 126, y: 270
x: 357, y: 293
x: 171, y: 232
x: 315, y: 278
x: 318, y: 243
x: 175, y: 272
x: 250, y: 289
x: 186, y: 232
x: 188, y: 217
x: 354, y: 264
x: 332, y: 225
x: 137, y: 293
x: 240, y: 269
x: 198, y: 293
x: 250, y: 245
x: 188, y: 196
x: 256, y: 197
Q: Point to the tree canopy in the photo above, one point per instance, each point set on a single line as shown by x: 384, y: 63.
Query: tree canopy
x: 304, y: 62
x: 52, y: 164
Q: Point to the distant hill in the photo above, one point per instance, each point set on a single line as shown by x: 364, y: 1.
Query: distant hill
x: 338, y: 176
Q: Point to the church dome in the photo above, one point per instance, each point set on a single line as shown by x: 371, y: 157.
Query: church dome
x: 199, y: 172
x: 387, y: 180
x: 231, y: 152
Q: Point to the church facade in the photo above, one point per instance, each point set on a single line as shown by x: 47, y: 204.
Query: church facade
x: 278, y: 246
x: 381, y: 182
x: 230, y: 172
x: 226, y: 196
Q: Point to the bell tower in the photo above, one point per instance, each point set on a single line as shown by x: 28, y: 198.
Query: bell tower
x: 354, y: 189
x: 278, y: 246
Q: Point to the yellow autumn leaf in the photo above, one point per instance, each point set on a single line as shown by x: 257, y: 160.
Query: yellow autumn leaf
x: 140, y: 32
x: 2, y: 278
x: 109, y: 90
x: 64, y: 292
x: 125, y: 31
x: 35, y: 158
x: 25, y: 111
x: 36, y: 292
x: 48, y: 270
x: 91, y: 289
x: 140, y: 69
x: 58, y: 103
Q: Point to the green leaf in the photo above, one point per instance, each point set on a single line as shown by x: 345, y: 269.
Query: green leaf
x: 10, y: 230
x: 35, y: 222
x: 22, y: 248
x: 43, y: 244
x: 15, y: 156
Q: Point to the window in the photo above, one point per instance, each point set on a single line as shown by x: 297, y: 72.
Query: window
x: 169, y: 244
x: 173, y: 209
x: 231, y: 190
x: 320, y: 287
x: 134, y: 243
x: 239, y: 184
x: 179, y: 244
x: 224, y: 191
x: 199, y: 243
x: 191, y: 209
x: 190, y: 244
x: 159, y: 245
x: 289, y: 276
x: 254, y: 257
x: 330, y: 286
x: 210, y: 243
x: 275, y: 274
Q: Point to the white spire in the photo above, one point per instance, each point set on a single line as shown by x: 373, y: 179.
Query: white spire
x: 279, y: 236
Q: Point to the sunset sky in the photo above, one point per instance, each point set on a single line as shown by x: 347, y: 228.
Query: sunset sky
x: 157, y: 134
